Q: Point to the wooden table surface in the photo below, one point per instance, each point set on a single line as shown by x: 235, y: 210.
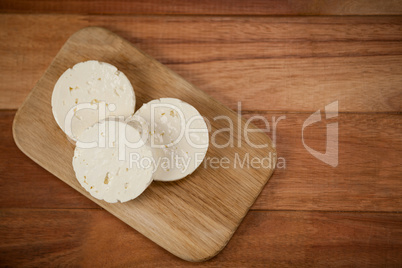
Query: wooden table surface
x: 287, y: 67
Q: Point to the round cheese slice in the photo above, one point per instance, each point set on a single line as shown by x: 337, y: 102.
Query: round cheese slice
x: 178, y: 137
x: 89, y: 92
x: 112, y: 162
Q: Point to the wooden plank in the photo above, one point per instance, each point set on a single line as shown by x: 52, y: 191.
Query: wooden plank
x: 276, y: 64
x: 94, y: 238
x: 214, y: 7
x: 367, y: 178
x: 25, y: 183
x: 368, y: 175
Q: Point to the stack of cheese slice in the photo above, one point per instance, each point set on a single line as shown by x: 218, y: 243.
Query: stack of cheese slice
x: 119, y: 153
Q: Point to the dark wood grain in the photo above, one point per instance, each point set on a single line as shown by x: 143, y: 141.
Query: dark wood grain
x: 214, y: 7
x: 94, y: 238
x: 366, y: 179
x: 26, y: 183
x: 282, y: 63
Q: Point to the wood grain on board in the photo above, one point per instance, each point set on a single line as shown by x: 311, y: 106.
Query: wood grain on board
x: 366, y: 179
x: 215, y: 7
x: 94, y: 238
x: 192, y: 218
x: 268, y: 63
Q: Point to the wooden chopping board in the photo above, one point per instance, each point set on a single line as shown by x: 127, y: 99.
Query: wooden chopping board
x: 193, y: 218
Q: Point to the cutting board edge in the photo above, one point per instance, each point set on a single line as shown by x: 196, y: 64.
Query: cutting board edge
x: 16, y: 125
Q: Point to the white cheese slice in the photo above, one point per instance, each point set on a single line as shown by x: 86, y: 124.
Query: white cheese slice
x: 178, y: 137
x: 104, y: 161
x: 89, y: 92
